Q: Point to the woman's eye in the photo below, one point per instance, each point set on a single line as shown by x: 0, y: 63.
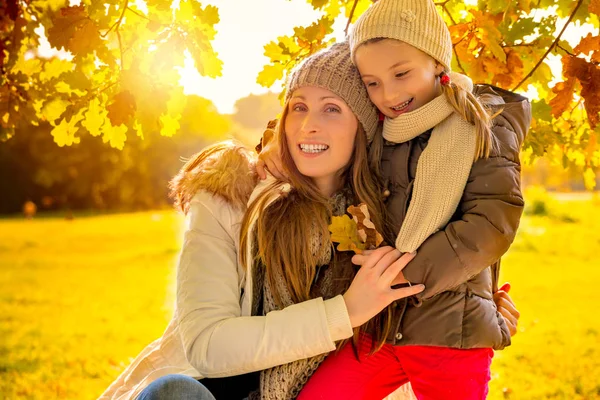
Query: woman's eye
x: 371, y: 84
x: 401, y: 74
x: 332, y: 109
x: 298, y: 107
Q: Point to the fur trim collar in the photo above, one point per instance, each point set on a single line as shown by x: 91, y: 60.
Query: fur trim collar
x: 225, y: 169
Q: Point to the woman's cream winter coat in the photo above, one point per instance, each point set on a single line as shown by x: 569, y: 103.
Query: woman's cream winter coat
x: 212, y: 332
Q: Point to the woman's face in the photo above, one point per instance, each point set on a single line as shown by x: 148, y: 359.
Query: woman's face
x: 320, y: 130
x: 399, y: 78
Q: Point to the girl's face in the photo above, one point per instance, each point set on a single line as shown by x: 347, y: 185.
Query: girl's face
x: 320, y: 130
x: 399, y: 77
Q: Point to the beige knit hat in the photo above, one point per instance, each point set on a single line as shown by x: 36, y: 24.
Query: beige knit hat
x: 332, y: 69
x: 415, y: 22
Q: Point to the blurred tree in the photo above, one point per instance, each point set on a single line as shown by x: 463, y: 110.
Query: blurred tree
x: 254, y: 111
x: 89, y: 174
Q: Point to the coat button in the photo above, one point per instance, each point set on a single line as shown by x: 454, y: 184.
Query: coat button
x: 386, y: 193
x: 398, y: 336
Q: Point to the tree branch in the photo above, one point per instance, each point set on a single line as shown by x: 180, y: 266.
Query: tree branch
x: 120, y: 48
x: 350, y: 17
x: 444, y: 6
x: 458, y: 60
x: 565, y: 50
x: 138, y: 14
x: 551, y: 46
x: 118, y: 23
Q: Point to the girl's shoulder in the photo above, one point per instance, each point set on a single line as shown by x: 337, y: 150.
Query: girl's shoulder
x: 513, y: 118
x: 224, y: 170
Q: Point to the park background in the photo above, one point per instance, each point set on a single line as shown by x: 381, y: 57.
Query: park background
x: 100, y: 101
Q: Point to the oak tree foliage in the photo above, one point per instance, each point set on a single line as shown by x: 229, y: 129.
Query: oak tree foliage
x: 120, y: 78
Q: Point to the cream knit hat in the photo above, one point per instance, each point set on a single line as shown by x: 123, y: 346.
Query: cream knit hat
x: 332, y: 69
x: 415, y: 22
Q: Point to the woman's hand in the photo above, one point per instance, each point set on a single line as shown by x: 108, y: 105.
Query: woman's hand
x: 270, y: 159
x: 371, y: 291
x: 506, y: 307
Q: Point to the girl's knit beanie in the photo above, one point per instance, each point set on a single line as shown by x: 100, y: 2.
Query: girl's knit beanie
x: 415, y: 22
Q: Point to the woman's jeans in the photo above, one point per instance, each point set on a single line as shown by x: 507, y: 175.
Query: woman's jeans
x: 175, y: 387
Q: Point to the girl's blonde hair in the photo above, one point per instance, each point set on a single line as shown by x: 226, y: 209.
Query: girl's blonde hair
x: 473, y: 111
x: 283, y: 233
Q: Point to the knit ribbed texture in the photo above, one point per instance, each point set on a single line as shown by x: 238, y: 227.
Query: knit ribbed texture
x: 332, y: 69
x: 415, y: 22
x: 442, y: 169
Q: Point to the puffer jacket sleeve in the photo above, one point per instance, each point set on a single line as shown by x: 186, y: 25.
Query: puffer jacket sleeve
x: 217, y: 339
x: 488, y: 216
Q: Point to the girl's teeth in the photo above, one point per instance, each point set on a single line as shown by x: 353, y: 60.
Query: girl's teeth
x: 313, y: 148
x: 402, y: 106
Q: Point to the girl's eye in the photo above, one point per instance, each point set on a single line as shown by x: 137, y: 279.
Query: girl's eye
x: 371, y: 84
x: 333, y: 109
x: 401, y: 74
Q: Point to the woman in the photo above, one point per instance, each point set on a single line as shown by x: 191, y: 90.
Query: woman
x: 219, y: 329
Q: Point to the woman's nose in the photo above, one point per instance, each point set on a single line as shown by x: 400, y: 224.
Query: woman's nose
x: 310, y: 124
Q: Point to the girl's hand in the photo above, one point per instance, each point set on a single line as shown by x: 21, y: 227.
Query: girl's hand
x: 506, y: 307
x: 370, y: 291
x: 270, y: 159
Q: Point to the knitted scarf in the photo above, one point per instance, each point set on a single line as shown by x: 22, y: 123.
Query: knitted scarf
x: 442, y: 169
x: 285, y: 382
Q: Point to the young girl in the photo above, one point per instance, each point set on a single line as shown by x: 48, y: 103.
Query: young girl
x: 289, y: 299
x: 453, y: 193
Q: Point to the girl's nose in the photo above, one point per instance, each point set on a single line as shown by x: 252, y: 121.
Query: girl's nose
x: 389, y: 94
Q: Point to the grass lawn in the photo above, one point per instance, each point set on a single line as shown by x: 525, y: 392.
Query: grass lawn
x: 79, y: 298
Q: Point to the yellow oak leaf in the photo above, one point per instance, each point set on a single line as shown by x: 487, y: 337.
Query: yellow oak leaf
x: 270, y: 74
x: 169, y: 124
x: 64, y: 133
x: 344, y: 232
x: 95, y: 117
x: 114, y: 135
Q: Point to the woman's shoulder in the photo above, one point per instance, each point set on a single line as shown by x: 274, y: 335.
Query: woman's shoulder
x: 224, y: 171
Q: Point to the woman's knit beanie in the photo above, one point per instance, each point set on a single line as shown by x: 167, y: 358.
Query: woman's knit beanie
x: 332, y: 69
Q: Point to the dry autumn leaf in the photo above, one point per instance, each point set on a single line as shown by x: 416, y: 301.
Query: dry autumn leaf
x: 356, y: 234
x: 122, y: 108
x: 366, y: 229
x: 594, y: 7
x: 589, y: 44
x: 563, y: 90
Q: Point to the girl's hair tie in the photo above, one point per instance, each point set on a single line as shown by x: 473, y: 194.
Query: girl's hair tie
x: 444, y: 79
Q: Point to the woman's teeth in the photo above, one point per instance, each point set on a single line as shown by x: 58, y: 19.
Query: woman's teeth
x: 402, y: 106
x: 313, y: 148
